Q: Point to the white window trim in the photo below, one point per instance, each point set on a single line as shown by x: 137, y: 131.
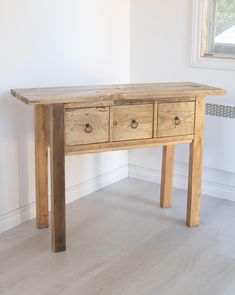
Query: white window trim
x: 204, y: 61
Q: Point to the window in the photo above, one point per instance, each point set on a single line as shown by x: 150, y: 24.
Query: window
x: 220, y: 28
x: 214, y: 34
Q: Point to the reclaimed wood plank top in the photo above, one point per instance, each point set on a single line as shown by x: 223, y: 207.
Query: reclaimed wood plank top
x: 81, y: 94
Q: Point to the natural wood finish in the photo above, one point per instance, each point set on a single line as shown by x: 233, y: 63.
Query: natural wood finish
x: 122, y: 121
x: 57, y: 178
x: 204, y: 28
x: 46, y: 124
x: 125, y: 145
x: 111, y: 124
x: 167, y: 176
x: 95, y: 104
x: 155, y: 115
x: 75, y: 125
x: 41, y: 162
x: 81, y: 94
x: 150, y: 100
x: 195, y: 166
x: 167, y: 114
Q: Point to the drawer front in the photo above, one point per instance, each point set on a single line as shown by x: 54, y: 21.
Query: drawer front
x: 175, y: 119
x: 132, y: 122
x: 85, y: 126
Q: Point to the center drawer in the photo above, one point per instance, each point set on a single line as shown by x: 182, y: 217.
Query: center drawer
x: 132, y: 122
x: 86, y: 126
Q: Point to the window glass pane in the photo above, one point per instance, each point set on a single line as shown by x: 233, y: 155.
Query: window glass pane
x: 222, y: 27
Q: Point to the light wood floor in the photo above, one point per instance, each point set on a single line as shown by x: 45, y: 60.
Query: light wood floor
x: 121, y: 242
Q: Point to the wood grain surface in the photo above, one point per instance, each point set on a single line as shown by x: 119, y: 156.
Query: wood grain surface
x: 167, y: 122
x: 125, y: 145
x: 132, y: 122
x: 89, y: 119
x: 76, y: 121
x: 195, y: 167
x: 168, y: 155
x: 96, y: 93
x: 41, y: 164
x: 57, y: 155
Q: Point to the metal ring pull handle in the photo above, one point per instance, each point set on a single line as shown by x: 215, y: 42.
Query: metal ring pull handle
x: 177, y: 121
x: 88, y: 128
x: 134, y: 124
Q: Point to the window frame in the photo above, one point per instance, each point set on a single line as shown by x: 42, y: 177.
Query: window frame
x: 200, y: 56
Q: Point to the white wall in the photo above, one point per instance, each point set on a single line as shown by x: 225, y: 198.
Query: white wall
x: 160, y: 51
x: 51, y: 43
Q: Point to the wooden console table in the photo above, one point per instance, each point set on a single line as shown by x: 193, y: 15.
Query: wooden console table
x: 76, y: 120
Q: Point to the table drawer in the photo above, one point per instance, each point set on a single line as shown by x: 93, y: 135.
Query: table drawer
x: 176, y: 119
x: 86, y: 125
x: 132, y: 122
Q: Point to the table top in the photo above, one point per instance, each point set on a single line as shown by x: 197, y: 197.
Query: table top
x: 81, y: 94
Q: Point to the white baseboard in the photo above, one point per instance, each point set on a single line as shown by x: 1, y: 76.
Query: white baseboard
x: 87, y: 187
x: 215, y: 183
x: 17, y: 216
x: 27, y: 212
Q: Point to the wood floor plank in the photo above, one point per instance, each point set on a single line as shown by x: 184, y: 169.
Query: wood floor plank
x: 122, y: 242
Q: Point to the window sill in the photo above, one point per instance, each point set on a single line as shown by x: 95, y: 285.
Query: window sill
x: 213, y: 62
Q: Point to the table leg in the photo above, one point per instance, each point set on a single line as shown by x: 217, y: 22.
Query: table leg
x: 195, y: 167
x: 167, y: 176
x: 41, y: 164
x: 57, y: 177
